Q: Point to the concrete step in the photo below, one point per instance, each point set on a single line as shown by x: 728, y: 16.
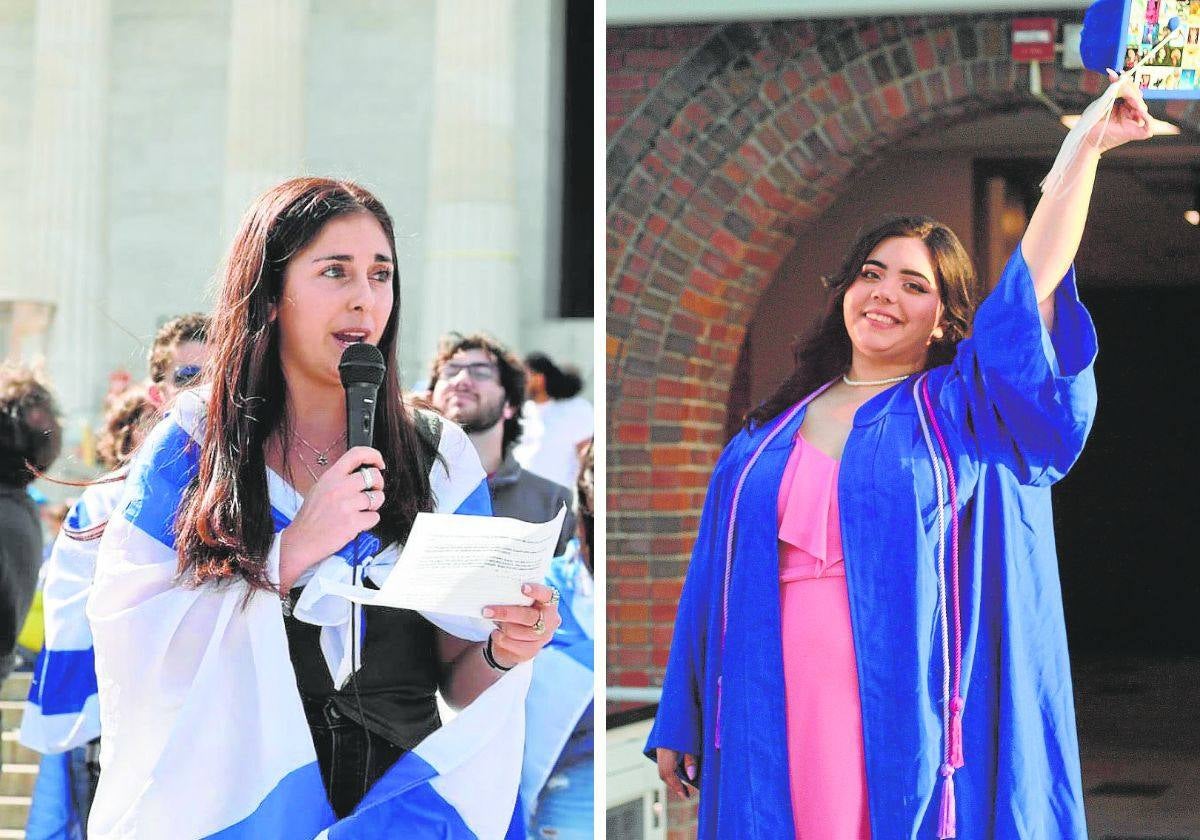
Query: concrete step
x: 12, y: 752
x: 14, y: 812
x: 16, y: 687
x: 20, y: 763
x: 18, y: 779
x: 10, y: 713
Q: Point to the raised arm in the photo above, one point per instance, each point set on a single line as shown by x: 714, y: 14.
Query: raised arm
x: 1054, y: 232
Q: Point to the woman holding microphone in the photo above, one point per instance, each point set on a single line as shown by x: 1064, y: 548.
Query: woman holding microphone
x: 236, y: 695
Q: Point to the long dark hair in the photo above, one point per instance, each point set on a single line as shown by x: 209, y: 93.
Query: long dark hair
x: 825, y: 353
x: 224, y: 528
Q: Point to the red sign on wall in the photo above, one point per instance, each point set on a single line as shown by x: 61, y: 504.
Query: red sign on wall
x: 1033, y: 38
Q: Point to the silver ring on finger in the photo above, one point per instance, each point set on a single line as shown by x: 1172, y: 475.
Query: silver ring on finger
x: 368, y: 479
x: 370, y: 499
x: 539, y: 626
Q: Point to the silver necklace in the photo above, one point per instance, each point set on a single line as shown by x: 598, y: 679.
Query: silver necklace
x: 307, y: 468
x: 322, y: 455
x: 888, y: 381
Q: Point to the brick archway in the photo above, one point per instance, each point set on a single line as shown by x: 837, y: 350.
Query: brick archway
x: 725, y: 144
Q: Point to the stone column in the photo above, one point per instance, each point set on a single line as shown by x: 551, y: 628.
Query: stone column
x: 16, y: 108
x: 264, y: 141
x: 471, y: 277
x: 64, y: 243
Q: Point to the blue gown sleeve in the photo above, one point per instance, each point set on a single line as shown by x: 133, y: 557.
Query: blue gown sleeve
x: 1025, y: 396
x: 679, y: 723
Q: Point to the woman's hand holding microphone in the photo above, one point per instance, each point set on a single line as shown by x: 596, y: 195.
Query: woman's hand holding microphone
x: 342, y: 504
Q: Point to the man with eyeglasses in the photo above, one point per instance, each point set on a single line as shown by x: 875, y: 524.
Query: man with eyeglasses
x: 476, y: 382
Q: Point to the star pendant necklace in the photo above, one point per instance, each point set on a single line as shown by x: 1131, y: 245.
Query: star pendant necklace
x: 322, y: 454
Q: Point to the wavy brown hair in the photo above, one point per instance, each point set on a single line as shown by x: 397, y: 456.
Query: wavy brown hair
x: 224, y: 528
x: 30, y: 433
x: 126, y: 422
x: 190, y: 327
x: 585, y: 487
x: 825, y: 353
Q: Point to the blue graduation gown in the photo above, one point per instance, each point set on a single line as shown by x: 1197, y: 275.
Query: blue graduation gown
x: 1015, y: 405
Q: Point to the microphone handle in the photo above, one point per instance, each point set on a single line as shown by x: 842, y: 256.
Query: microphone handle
x: 360, y: 413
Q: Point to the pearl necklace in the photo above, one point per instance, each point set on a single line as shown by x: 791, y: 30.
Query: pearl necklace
x: 864, y: 382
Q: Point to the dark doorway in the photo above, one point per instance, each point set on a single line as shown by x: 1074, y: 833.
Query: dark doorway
x: 1126, y: 515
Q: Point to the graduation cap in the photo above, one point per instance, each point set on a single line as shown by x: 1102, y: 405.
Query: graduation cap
x: 1129, y: 37
x: 1154, y: 41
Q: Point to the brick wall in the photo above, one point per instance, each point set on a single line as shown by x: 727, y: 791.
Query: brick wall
x: 724, y: 144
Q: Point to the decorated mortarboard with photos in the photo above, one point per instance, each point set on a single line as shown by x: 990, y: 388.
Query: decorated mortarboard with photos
x: 1156, y: 41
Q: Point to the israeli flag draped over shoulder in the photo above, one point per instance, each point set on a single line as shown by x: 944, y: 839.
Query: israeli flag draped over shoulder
x: 204, y: 732
x: 62, y: 711
x: 563, y: 684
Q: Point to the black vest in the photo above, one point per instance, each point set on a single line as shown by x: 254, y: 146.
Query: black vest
x: 398, y: 680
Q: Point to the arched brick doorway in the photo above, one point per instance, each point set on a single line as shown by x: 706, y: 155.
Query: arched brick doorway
x: 725, y: 144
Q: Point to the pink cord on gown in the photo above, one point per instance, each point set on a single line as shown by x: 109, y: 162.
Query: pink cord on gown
x: 826, y: 765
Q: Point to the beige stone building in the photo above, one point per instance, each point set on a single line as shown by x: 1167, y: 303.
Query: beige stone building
x: 133, y: 133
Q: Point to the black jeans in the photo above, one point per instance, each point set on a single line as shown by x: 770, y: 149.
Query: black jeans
x: 83, y: 790
x: 350, y: 757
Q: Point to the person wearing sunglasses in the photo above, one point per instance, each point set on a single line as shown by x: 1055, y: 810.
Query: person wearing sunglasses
x: 177, y: 356
x: 480, y: 385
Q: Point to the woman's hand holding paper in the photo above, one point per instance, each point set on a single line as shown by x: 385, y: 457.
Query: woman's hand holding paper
x: 523, y: 631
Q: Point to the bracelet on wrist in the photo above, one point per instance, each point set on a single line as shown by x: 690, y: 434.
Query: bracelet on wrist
x: 490, y: 658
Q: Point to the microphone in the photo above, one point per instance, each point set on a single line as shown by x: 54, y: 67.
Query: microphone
x: 361, y: 370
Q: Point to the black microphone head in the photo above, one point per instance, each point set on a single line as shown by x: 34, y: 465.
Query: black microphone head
x: 362, y: 363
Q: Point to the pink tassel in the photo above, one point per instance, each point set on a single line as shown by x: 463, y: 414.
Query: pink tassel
x: 947, y: 818
x: 956, y: 741
x: 717, y: 736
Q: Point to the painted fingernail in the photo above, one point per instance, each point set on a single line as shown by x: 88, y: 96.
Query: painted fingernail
x: 691, y: 772
x: 488, y: 612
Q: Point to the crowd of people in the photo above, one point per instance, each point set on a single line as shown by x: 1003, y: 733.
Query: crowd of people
x: 188, y: 577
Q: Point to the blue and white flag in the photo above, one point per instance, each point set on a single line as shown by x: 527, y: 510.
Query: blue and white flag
x: 204, y: 732
x: 62, y: 711
x: 563, y: 677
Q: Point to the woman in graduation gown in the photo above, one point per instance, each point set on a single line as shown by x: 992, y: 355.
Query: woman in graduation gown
x: 870, y: 640
x: 239, y: 697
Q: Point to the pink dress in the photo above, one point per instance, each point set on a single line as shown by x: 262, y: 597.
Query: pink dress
x: 824, y: 717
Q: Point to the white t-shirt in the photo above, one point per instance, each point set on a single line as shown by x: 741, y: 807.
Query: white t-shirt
x: 551, y: 432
